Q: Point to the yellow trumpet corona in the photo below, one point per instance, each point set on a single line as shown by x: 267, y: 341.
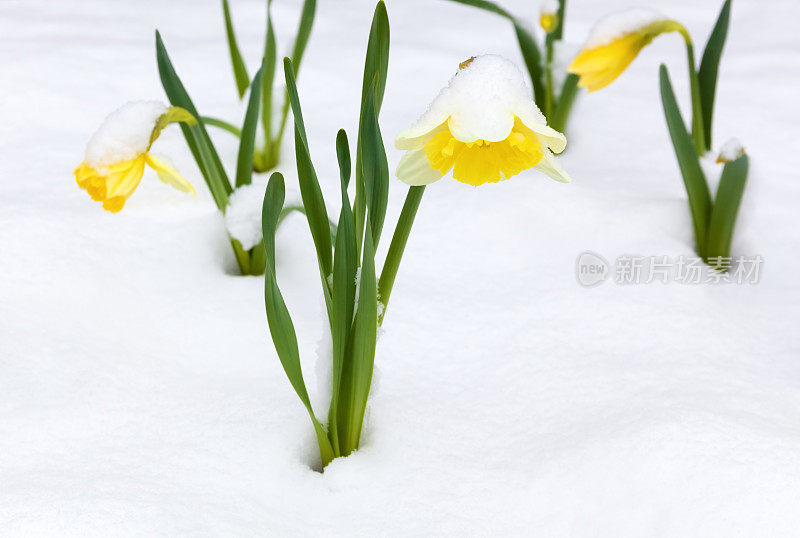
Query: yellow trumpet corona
x: 615, y: 42
x: 117, y: 153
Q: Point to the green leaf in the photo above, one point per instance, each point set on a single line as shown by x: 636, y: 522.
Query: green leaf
x: 488, y: 6
x: 569, y: 90
x: 280, y: 323
x: 533, y: 61
x: 221, y: 124
x: 709, y: 68
x: 343, y: 156
x: 726, y: 208
x: 247, y: 142
x: 373, y: 87
x: 345, y: 262
x: 301, y: 40
x: 270, y: 63
x: 196, y: 137
x: 310, y: 191
x: 303, y: 32
x: 689, y: 163
x: 239, y: 69
x: 375, y: 169
x: 360, y: 357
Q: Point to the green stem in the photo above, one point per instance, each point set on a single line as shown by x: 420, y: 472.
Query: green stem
x: 549, y: 93
x: 569, y: 90
x: 398, y: 245
x: 698, y: 131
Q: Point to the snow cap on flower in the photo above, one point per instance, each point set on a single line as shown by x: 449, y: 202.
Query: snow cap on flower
x: 614, y: 43
x: 548, y: 15
x: 117, y: 152
x: 484, y: 125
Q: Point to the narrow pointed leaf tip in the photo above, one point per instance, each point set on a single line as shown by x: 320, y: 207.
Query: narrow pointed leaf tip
x: 237, y: 63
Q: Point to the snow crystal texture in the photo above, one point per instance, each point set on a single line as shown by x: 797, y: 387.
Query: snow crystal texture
x: 481, y: 101
x: 124, y: 134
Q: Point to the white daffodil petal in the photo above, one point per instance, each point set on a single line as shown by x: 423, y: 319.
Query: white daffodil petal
x: 548, y: 136
x: 167, y: 173
x: 550, y: 166
x: 418, y: 141
x: 415, y: 169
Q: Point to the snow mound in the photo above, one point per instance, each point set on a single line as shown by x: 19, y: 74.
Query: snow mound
x: 243, y: 214
x: 620, y: 24
x: 124, y: 134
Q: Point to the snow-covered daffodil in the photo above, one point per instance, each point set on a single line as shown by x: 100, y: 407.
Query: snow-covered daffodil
x: 484, y: 126
x: 116, y: 154
x: 614, y: 43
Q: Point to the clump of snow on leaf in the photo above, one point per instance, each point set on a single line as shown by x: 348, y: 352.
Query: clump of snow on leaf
x: 621, y: 24
x: 480, y: 101
x: 124, y: 134
x: 730, y: 151
x: 243, y: 214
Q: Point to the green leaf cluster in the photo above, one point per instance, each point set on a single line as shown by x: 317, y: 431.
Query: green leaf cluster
x: 355, y: 303
x: 713, y: 220
x: 266, y: 157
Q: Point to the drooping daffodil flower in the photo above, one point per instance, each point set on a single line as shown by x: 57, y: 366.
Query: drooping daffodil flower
x: 484, y: 126
x: 116, y: 154
x: 614, y: 43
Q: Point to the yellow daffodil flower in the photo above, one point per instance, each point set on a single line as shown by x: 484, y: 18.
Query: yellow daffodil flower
x: 484, y: 126
x: 548, y: 16
x: 118, y: 151
x: 615, y: 42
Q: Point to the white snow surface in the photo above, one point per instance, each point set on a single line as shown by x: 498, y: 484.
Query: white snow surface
x: 124, y: 134
x: 140, y: 394
x: 621, y: 24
